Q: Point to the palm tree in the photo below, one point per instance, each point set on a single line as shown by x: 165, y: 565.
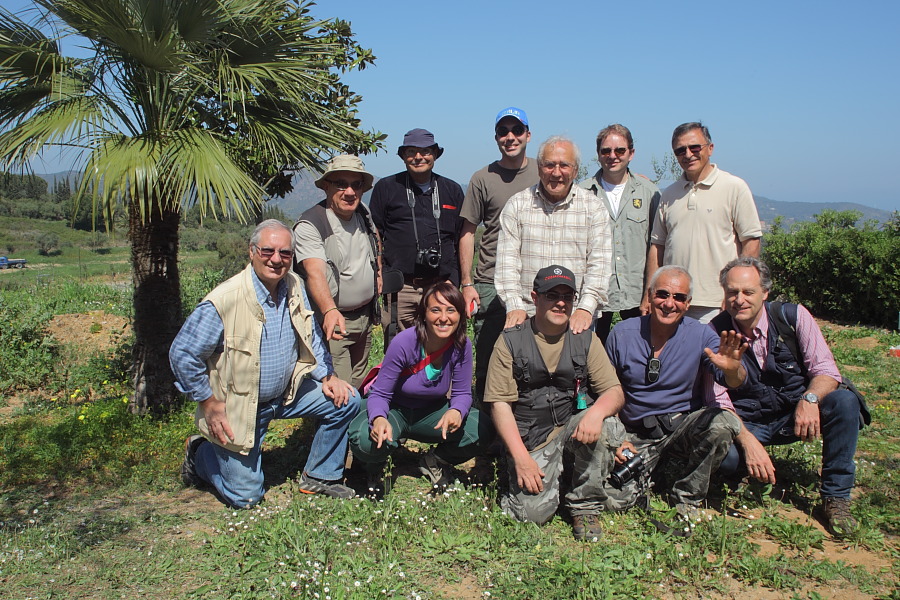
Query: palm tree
x: 179, y: 103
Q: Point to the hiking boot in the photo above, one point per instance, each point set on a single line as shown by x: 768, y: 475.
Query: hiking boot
x: 438, y: 471
x: 334, y: 489
x: 689, y: 513
x: 586, y: 527
x: 838, y: 520
x: 189, y: 466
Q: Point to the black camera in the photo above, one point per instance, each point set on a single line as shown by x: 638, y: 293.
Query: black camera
x: 628, y: 470
x: 429, y: 258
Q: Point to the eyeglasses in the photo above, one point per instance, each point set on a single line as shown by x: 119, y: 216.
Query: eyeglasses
x: 653, y: 366
x: 342, y: 185
x: 619, y: 151
x: 410, y: 151
x: 664, y: 295
x: 694, y: 148
x: 502, y: 131
x: 554, y: 297
x: 270, y: 252
x: 563, y: 166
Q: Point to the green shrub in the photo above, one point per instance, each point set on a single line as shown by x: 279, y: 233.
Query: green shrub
x: 838, y: 270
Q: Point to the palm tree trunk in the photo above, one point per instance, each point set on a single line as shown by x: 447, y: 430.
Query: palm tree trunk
x: 157, y: 306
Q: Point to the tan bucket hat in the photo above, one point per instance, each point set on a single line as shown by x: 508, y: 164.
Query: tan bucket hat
x: 346, y: 162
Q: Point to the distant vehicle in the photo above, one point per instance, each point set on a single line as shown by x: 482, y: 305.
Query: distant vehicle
x: 7, y: 263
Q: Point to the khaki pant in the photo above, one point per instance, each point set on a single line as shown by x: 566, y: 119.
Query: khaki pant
x: 350, y: 356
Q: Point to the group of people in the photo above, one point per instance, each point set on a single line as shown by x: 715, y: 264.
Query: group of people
x: 700, y: 375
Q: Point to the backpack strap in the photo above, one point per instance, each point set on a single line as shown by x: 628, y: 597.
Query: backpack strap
x: 784, y: 317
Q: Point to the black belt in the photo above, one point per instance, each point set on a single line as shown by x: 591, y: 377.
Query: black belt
x: 421, y: 282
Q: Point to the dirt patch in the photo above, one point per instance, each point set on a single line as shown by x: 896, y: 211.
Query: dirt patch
x: 866, y: 343
x: 92, y: 332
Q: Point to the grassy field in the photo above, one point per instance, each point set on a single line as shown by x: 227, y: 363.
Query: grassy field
x: 91, y: 505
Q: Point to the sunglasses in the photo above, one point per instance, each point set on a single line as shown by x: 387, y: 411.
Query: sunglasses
x: 270, y: 252
x: 554, y: 297
x: 664, y: 295
x: 503, y: 131
x: 653, y: 366
x: 411, y: 151
x: 619, y: 151
x: 343, y: 185
x: 694, y: 148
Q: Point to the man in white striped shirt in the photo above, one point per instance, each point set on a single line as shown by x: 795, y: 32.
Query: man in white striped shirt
x: 554, y: 222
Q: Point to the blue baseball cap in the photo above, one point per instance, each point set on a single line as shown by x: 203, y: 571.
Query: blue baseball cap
x: 516, y: 113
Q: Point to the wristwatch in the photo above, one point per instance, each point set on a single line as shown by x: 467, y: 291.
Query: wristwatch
x: 811, y: 398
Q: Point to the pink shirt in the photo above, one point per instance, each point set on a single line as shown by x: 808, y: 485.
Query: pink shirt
x: 817, y: 356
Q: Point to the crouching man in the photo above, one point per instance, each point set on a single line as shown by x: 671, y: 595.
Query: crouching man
x: 675, y: 418
x: 550, y: 391
x: 252, y: 352
x: 793, y: 392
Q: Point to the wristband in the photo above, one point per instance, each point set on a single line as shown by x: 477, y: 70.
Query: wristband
x: 465, y: 285
x: 329, y: 310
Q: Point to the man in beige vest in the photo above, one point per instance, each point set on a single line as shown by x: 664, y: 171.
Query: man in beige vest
x: 252, y: 352
x: 337, y: 252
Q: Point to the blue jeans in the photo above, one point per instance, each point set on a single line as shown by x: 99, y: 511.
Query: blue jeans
x: 238, y: 478
x: 840, y: 421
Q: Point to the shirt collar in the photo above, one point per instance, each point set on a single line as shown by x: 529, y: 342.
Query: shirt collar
x: 262, y: 294
x: 554, y: 205
x: 707, y: 182
x: 761, y: 331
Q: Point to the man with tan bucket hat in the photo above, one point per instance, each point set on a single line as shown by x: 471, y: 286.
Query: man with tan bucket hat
x: 338, y: 254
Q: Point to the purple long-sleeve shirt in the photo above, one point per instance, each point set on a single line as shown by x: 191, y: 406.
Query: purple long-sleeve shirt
x: 413, y: 391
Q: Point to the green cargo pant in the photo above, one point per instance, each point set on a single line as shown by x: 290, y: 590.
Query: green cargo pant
x: 590, y: 468
x: 689, y: 455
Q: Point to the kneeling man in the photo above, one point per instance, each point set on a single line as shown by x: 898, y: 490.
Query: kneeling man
x: 244, y: 355
x: 667, y: 364
x: 793, y: 389
x: 550, y: 391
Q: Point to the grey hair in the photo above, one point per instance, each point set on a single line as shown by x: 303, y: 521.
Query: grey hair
x: 556, y: 140
x: 765, y: 275
x: 686, y: 127
x: 671, y: 269
x: 269, y: 224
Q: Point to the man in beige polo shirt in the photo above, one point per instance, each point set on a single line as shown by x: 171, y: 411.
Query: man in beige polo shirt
x: 705, y: 219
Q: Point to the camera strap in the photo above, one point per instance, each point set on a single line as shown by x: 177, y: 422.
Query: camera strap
x: 435, y: 210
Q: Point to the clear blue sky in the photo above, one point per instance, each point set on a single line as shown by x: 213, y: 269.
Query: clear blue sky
x: 800, y: 97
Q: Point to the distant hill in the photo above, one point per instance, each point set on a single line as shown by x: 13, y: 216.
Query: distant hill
x: 793, y: 212
x: 305, y: 194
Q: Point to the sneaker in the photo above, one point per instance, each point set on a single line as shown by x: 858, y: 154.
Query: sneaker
x: 334, y: 489
x: 189, y: 466
x: 838, y: 520
x: 586, y: 527
x: 439, y: 472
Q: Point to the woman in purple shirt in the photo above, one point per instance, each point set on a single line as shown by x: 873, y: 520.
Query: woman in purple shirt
x: 410, y: 397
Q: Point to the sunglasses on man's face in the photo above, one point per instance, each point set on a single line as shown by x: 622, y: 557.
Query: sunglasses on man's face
x: 270, y: 252
x: 664, y: 295
x: 342, y: 185
x: 619, y: 151
x: 694, y: 148
x: 503, y: 131
x: 554, y: 297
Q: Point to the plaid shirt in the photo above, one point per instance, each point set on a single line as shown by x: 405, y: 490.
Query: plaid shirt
x: 536, y: 233
x: 203, y: 334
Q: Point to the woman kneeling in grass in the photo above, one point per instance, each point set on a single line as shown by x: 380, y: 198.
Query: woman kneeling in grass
x: 410, y: 397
